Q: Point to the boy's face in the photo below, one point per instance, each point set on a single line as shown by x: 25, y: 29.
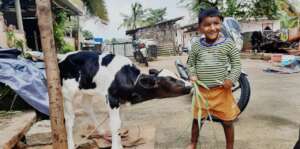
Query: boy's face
x: 210, y: 27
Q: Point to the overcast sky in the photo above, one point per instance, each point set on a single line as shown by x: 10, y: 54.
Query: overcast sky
x: 115, y: 7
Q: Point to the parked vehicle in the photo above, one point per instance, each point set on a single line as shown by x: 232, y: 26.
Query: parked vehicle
x: 145, y: 50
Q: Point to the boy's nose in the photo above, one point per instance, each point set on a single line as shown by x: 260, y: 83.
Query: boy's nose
x: 213, y: 27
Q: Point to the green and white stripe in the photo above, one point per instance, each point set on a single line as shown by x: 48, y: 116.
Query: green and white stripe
x: 210, y: 62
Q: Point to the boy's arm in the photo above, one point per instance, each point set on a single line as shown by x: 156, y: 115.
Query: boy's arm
x: 235, y: 62
x: 191, y: 62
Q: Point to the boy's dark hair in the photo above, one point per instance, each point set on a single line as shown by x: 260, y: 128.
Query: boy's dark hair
x: 209, y: 12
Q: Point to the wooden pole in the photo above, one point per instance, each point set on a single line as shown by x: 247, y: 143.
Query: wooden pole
x: 19, y: 15
x: 44, y: 14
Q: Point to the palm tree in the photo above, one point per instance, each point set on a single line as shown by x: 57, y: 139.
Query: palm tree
x: 97, y: 8
x: 135, y: 19
x: 155, y: 15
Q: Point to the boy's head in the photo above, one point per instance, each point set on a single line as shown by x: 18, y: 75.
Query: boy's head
x: 210, y: 21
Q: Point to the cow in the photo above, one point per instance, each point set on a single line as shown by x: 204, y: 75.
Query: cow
x: 115, y: 79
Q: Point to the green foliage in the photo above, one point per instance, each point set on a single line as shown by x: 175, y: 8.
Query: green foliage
x: 59, y: 28
x: 97, y: 8
x: 196, y: 5
x: 12, y: 41
x: 135, y: 19
x: 87, y: 34
x: 67, y: 48
x: 155, y: 15
x: 240, y: 9
x: 142, y: 17
x: 267, y: 8
x: 287, y: 15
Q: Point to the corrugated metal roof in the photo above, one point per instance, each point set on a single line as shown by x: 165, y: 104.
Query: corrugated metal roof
x: 75, y: 6
x: 159, y: 23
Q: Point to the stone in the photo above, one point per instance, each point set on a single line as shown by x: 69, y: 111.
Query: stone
x: 39, y: 133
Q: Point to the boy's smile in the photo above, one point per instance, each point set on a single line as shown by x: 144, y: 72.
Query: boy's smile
x: 210, y: 27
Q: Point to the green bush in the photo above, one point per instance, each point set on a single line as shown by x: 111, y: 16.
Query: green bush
x: 67, y: 48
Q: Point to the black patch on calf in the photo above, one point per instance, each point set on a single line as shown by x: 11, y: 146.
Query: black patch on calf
x: 123, y: 85
x: 82, y: 67
x: 107, y: 59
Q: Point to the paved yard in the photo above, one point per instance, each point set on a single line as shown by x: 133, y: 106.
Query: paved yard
x: 271, y: 120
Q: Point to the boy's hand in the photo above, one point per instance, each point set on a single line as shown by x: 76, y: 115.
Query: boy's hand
x: 193, y: 79
x: 227, y: 84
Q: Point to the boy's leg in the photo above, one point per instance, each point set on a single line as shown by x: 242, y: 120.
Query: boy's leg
x: 229, y: 133
x: 194, y: 135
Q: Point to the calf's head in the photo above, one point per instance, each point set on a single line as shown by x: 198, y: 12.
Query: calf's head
x: 158, y: 85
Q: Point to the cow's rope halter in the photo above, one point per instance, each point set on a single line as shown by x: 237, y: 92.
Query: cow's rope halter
x: 137, y: 79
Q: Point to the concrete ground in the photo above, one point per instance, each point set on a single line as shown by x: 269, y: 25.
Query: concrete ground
x: 271, y: 120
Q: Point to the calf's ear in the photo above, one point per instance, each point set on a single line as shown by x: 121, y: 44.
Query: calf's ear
x: 154, y: 72
x: 148, y: 82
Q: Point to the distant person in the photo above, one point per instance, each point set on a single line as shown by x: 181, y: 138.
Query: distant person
x: 207, y: 62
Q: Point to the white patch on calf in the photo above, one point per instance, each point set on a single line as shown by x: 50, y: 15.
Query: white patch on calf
x: 115, y: 125
x: 64, y: 56
x: 106, y: 74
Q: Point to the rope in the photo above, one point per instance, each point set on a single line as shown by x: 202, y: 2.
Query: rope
x: 91, y: 132
x: 198, y: 96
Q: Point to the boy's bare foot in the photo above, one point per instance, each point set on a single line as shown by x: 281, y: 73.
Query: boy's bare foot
x: 192, y: 146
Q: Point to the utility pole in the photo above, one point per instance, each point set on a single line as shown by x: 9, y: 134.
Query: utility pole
x: 44, y: 14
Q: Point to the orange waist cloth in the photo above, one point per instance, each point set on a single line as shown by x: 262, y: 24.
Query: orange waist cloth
x: 221, y: 104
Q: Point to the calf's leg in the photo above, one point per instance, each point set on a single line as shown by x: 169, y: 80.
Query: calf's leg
x: 69, y: 121
x: 114, y: 122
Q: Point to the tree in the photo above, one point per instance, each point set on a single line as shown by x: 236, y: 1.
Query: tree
x: 265, y: 8
x: 136, y: 17
x: 288, y: 15
x: 196, y: 5
x: 142, y: 17
x: 87, y: 34
x: 97, y: 8
x: 155, y: 15
x: 240, y: 9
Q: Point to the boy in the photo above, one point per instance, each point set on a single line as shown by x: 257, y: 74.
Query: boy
x: 207, y: 62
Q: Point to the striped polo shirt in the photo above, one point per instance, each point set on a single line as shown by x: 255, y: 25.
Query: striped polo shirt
x: 210, y: 62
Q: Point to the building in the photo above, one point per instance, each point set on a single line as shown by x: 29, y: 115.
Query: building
x: 22, y: 15
x: 259, y: 25
x: 164, y: 33
x: 186, y: 34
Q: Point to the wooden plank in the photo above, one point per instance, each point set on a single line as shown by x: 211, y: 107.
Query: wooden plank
x: 19, y: 125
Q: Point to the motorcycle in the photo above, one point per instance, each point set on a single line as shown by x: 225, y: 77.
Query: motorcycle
x: 145, y: 50
x: 241, y: 89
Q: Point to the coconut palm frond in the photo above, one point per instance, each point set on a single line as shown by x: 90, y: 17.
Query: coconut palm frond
x: 97, y: 8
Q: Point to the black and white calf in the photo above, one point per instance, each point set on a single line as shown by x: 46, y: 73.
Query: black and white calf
x: 114, y: 78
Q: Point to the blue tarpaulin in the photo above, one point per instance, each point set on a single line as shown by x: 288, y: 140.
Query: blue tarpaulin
x: 27, y: 80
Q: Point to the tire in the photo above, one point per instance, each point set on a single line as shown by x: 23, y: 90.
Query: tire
x: 245, y: 92
x: 244, y: 95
